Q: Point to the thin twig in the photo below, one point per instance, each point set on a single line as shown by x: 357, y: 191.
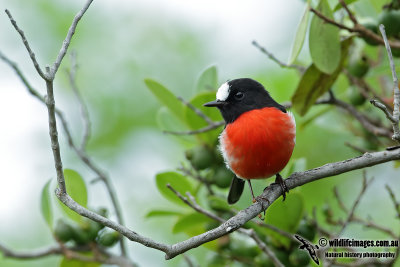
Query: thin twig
x: 82, y: 106
x: 27, y: 46
x: 366, y: 223
x: 351, y: 16
x: 68, y: 38
x: 209, y: 127
x: 396, y: 91
x: 196, y: 176
x: 277, y: 61
x: 28, y: 86
x: 331, y: 21
x: 355, y: 204
x: 197, y: 111
x: 393, y: 198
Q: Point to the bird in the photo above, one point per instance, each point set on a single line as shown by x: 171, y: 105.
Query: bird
x: 259, y: 135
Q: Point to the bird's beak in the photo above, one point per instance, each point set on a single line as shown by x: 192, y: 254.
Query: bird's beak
x: 215, y: 103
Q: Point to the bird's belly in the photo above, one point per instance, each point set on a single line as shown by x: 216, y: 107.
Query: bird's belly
x: 259, y: 143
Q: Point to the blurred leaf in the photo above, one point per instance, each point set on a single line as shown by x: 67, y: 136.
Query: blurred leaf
x: 177, y: 181
x: 162, y: 213
x: 208, y: 80
x: 297, y: 165
x: 286, y: 216
x: 190, y: 221
x: 315, y: 83
x: 324, y: 41
x: 168, y: 122
x: 300, y: 35
x: 75, y: 263
x: 309, y: 120
x: 217, y: 203
x: 339, y: 6
x: 45, y: 205
x: 166, y: 97
x: 195, y: 122
x: 76, y: 188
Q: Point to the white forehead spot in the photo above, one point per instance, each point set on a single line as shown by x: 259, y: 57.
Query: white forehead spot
x: 223, y: 92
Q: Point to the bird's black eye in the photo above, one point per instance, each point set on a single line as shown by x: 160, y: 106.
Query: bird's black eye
x: 239, y: 95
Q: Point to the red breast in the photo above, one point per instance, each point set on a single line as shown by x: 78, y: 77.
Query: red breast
x: 259, y: 143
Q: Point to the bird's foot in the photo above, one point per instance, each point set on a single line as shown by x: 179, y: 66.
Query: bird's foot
x: 279, y: 180
x: 261, y: 200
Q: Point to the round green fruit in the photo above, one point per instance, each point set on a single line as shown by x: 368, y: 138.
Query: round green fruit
x: 201, y: 157
x: 263, y: 261
x: 358, y: 68
x: 299, y: 258
x: 80, y: 236
x: 222, y: 177
x: 374, y: 28
x: 355, y: 97
x: 306, y: 230
x: 391, y: 20
x: 63, y: 231
x: 109, y: 239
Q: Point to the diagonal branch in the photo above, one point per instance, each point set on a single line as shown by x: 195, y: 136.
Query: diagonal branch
x: 68, y: 38
x: 277, y: 61
x: 27, y: 46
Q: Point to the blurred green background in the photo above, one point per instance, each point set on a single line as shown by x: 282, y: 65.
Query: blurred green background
x: 118, y: 45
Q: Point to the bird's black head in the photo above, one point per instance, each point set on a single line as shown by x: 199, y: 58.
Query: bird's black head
x: 240, y: 95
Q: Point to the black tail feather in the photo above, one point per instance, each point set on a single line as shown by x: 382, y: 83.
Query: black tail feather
x: 235, y: 190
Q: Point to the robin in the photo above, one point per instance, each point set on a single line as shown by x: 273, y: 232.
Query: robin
x: 259, y: 135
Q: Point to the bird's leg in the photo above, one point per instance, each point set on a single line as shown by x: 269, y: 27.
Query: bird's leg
x: 258, y: 199
x: 281, y: 182
x: 251, y: 190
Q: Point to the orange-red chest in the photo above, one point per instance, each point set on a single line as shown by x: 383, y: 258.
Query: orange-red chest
x: 259, y: 143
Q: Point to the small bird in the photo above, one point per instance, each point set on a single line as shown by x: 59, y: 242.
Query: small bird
x: 259, y: 135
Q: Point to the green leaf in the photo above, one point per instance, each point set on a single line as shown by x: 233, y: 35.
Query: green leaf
x: 166, y: 97
x: 315, y: 83
x: 162, y: 213
x: 324, y: 41
x: 286, y: 216
x: 348, y: 2
x: 179, y: 182
x: 188, y: 222
x: 300, y: 35
x: 76, y: 188
x: 75, y: 263
x: 217, y: 203
x: 208, y: 80
x: 45, y: 205
x: 195, y: 122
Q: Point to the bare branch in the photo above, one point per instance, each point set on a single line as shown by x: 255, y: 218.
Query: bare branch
x: 364, y: 222
x: 82, y: 106
x: 277, y: 61
x: 68, y: 38
x: 27, y: 46
x: 352, y: 17
x: 396, y: 92
x: 393, y: 198
x: 40, y: 253
x: 355, y: 204
x: 331, y: 21
x: 383, y: 107
x: 28, y: 86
